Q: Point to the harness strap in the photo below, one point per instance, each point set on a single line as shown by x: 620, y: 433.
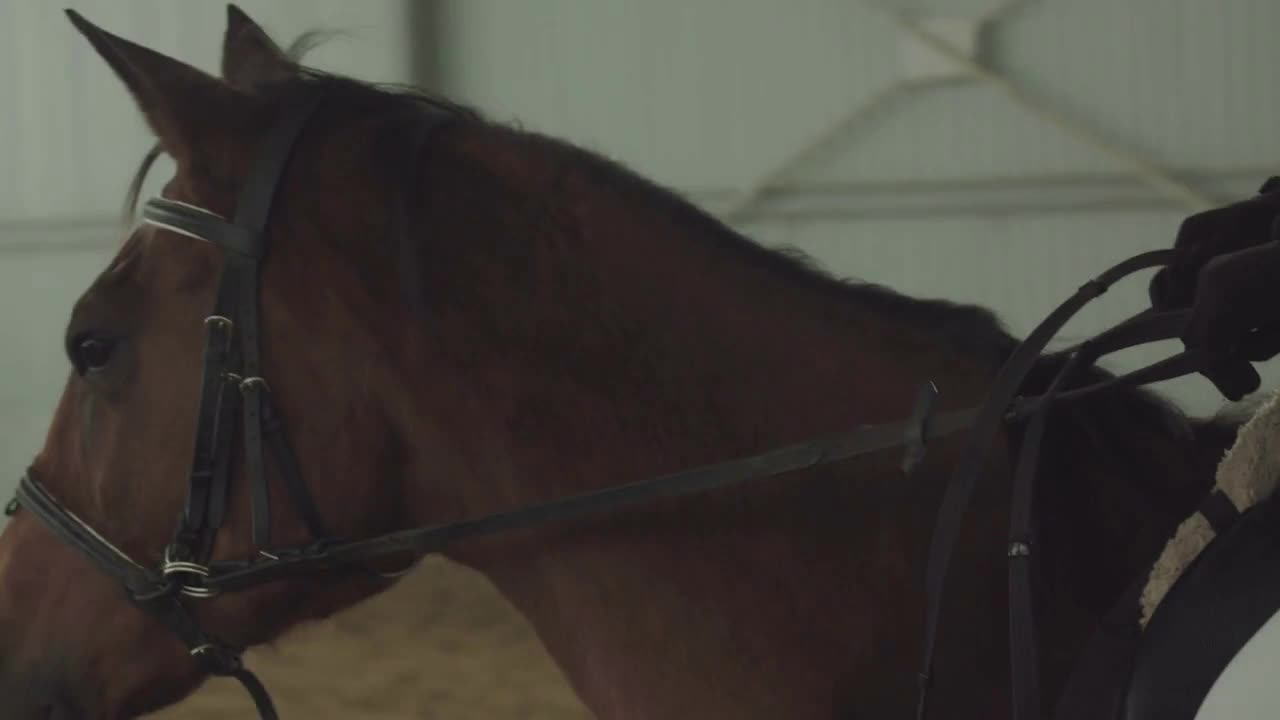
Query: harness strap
x: 1005, y: 386
x: 1219, y: 511
x: 251, y: 390
x: 257, y: 692
x: 230, y: 577
x: 287, y: 463
x: 918, y: 428
x: 32, y: 495
x: 1092, y: 691
x: 229, y: 408
x: 209, y: 479
x: 203, y: 225
x: 1024, y: 647
x: 147, y: 587
x: 253, y: 208
x: 432, y: 539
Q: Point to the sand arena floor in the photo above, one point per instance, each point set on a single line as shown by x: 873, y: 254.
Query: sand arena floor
x: 441, y: 645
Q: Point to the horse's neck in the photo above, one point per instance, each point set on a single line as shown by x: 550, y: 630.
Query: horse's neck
x: 763, y: 601
x: 697, y: 623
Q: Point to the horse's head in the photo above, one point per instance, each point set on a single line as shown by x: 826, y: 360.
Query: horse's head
x: 119, y: 452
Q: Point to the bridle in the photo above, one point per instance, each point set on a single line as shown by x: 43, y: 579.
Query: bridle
x: 232, y: 386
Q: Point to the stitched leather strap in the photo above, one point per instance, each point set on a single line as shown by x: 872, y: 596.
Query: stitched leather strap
x: 956, y: 497
x: 1219, y: 511
x: 200, y: 224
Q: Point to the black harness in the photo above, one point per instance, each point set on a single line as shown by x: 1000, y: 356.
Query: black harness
x: 232, y: 386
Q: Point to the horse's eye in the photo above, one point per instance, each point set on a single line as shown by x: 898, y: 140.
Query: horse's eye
x: 90, y: 353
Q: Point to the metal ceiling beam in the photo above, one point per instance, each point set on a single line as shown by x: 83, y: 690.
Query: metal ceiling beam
x: 426, y: 21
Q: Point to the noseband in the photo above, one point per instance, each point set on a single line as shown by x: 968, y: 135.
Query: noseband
x: 232, y: 386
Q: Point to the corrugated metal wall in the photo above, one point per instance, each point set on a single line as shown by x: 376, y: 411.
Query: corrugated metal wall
x: 949, y: 191
x: 701, y: 95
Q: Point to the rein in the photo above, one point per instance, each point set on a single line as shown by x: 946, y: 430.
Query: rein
x: 232, y: 387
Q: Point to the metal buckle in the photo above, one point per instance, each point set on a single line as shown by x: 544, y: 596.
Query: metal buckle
x: 184, y: 568
x: 222, y: 324
x: 248, y: 383
x: 1019, y: 549
x: 916, y: 442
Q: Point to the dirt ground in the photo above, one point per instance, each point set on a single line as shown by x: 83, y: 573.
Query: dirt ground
x: 441, y: 645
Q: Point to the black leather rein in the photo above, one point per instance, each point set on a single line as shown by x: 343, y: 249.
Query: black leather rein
x: 231, y: 387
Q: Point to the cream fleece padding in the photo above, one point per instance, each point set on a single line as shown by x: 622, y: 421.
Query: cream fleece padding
x: 1248, y: 473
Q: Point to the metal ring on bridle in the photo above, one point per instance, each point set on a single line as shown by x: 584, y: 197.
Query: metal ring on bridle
x: 227, y: 661
x: 224, y: 325
x: 249, y: 382
x: 221, y: 321
x: 179, y: 568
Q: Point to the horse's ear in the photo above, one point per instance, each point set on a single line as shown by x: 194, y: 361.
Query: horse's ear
x: 186, y: 108
x: 249, y: 56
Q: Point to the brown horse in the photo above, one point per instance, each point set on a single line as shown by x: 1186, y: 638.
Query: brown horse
x: 543, y: 322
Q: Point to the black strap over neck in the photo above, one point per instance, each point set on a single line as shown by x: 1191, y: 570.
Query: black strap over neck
x: 970, y: 466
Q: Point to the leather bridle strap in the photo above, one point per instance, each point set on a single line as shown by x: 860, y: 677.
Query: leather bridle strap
x: 913, y: 434
x: 150, y: 590
x: 135, y: 577
x: 232, y: 365
x: 212, y: 656
x: 1002, y: 392
x: 227, y: 577
x: 155, y: 592
x: 433, y: 539
x: 1023, y: 537
x: 230, y: 381
x: 253, y: 209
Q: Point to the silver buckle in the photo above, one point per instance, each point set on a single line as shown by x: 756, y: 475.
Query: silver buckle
x: 179, y: 568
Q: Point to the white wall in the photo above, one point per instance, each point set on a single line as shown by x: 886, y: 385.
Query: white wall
x: 949, y: 191
x: 70, y: 139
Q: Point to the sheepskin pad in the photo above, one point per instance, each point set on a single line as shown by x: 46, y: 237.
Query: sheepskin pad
x: 1248, y: 473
